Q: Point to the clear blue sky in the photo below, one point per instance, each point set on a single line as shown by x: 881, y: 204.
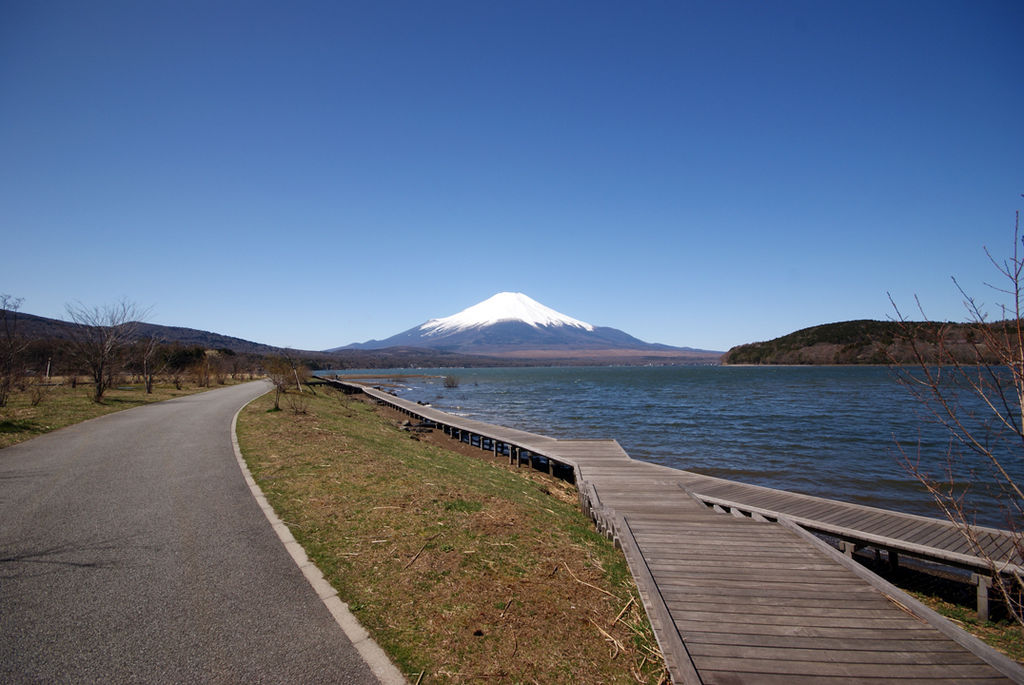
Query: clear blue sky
x: 695, y: 173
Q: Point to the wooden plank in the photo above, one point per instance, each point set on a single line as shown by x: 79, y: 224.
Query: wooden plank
x: 1000, y: 547
x: 730, y: 490
x: 820, y: 509
x: 713, y: 555
x: 859, y: 519
x: 919, y: 534
x: 1000, y: 662
x: 922, y: 642
x: 688, y: 628
x: 967, y: 561
x: 949, y: 539
x: 728, y: 678
x: 885, y: 526
x: 707, y: 483
x: 672, y: 646
x: 873, y: 610
x: 748, y: 545
x: 853, y: 518
x: 894, y: 620
x: 751, y: 573
x: 670, y: 582
x: 763, y: 602
x: 924, y: 536
x: 719, y: 524
x: 826, y: 668
x: 741, y: 594
x: 804, y: 508
x: 962, y: 544
x: 664, y: 559
x: 655, y: 513
x: 893, y: 655
x: 686, y: 525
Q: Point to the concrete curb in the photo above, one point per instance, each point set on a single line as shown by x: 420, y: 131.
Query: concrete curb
x: 387, y: 673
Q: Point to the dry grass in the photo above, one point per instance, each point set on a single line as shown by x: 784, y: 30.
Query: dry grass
x: 1003, y: 635
x: 462, y: 569
x: 61, y: 405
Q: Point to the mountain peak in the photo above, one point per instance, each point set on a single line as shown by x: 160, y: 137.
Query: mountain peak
x: 516, y: 327
x: 499, y: 308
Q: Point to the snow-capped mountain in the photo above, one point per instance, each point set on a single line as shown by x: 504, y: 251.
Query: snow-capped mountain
x: 513, y: 324
x: 499, y: 308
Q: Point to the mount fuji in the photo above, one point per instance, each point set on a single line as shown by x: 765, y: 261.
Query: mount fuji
x: 515, y: 325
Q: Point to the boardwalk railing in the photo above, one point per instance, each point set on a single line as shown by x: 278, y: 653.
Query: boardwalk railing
x: 857, y: 526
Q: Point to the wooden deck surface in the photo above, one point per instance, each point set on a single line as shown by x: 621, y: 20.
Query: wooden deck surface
x: 737, y: 600
x: 932, y: 538
x: 755, y: 602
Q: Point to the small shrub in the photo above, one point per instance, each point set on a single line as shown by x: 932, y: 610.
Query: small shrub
x: 451, y: 381
x: 298, y: 402
x: 37, y: 393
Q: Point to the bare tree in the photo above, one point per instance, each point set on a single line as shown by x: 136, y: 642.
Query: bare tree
x: 279, y: 370
x: 298, y: 402
x: 11, y: 346
x: 219, y: 366
x: 152, y: 360
x: 980, y: 403
x: 299, y: 372
x: 201, y: 371
x: 99, y: 338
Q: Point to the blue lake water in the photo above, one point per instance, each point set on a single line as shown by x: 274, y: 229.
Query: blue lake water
x: 827, y: 431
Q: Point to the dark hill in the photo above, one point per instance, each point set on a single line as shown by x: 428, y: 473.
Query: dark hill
x: 34, y: 327
x: 862, y: 342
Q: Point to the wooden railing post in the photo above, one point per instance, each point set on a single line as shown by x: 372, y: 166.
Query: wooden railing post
x: 984, y: 583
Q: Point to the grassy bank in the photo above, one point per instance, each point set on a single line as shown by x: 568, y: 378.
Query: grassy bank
x: 59, y: 405
x: 950, y: 596
x: 1002, y: 635
x: 462, y: 568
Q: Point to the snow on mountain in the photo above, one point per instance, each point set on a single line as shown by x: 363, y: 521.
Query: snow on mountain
x: 511, y: 324
x: 498, y: 308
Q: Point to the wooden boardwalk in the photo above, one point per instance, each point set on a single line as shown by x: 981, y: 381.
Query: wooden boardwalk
x: 736, y: 587
x: 746, y: 601
x: 931, y: 538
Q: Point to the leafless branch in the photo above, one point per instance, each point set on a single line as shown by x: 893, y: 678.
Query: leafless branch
x: 99, y: 337
x: 949, y: 385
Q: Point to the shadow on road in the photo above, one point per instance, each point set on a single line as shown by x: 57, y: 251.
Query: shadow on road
x: 24, y: 560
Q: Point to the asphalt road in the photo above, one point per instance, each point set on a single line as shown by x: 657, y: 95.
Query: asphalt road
x: 131, y: 550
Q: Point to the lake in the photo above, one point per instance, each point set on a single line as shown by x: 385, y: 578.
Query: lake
x: 827, y: 431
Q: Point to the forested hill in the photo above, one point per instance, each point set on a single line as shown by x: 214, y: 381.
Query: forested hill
x: 32, y: 327
x: 861, y: 342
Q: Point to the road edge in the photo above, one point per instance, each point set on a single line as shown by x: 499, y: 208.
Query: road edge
x: 375, y: 657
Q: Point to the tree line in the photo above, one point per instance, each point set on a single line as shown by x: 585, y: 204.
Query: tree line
x: 103, y: 347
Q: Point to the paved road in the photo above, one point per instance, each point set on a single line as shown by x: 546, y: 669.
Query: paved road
x: 131, y: 550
